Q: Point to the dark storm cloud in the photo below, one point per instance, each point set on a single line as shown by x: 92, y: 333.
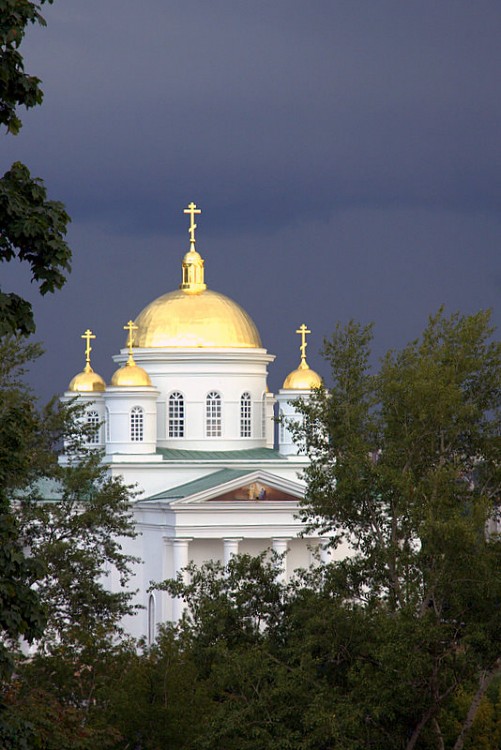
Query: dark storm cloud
x: 356, y: 103
x: 346, y: 156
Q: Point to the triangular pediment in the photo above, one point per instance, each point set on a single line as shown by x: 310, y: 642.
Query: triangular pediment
x: 258, y: 490
x: 228, y: 486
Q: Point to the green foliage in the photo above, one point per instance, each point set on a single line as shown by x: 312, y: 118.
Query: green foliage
x: 32, y: 228
x: 54, y: 558
x: 52, y: 703
x: 406, y: 469
x: 16, y: 87
x: 486, y: 730
x: 21, y: 613
x: 156, y: 700
x: 79, y: 539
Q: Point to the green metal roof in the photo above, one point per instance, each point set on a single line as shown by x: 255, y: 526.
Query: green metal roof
x: 251, y: 454
x: 199, y: 485
x: 45, y: 489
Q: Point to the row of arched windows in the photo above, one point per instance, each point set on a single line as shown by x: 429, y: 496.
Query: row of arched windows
x: 213, y: 415
x: 176, y: 418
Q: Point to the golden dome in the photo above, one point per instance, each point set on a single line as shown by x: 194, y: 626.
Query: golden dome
x: 130, y: 375
x: 184, y: 318
x: 87, y: 381
x: 194, y: 316
x: 302, y: 379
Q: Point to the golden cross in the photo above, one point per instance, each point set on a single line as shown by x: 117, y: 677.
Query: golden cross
x: 130, y: 327
x: 192, y: 210
x: 303, y: 330
x: 88, y: 335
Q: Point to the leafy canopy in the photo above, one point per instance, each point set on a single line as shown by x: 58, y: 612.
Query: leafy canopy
x: 32, y: 228
x: 406, y: 470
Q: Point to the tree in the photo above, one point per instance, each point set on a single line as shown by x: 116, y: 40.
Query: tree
x: 21, y: 613
x: 79, y: 537
x: 71, y: 517
x: 155, y: 699
x: 273, y: 660
x: 32, y: 228
x: 406, y: 468
x: 62, y: 527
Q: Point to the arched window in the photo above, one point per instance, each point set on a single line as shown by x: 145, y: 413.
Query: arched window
x: 245, y: 415
x: 137, y: 424
x: 213, y: 415
x: 151, y: 620
x: 93, y: 421
x: 176, y: 415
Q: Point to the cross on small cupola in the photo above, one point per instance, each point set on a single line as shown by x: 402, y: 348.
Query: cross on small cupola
x: 130, y: 327
x: 88, y: 335
x: 303, y: 330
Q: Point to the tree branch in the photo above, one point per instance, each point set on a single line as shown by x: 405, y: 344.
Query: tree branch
x: 484, y: 681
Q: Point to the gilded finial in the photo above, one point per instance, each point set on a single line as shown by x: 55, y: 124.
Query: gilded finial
x: 303, y: 330
x: 88, y: 335
x: 303, y: 378
x: 130, y: 375
x: 193, y: 263
x: 130, y: 327
x: 192, y: 210
x: 87, y: 381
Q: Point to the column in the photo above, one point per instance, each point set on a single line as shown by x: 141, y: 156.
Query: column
x: 165, y: 613
x: 230, y: 548
x: 180, y: 559
x: 325, y: 551
x: 279, y: 545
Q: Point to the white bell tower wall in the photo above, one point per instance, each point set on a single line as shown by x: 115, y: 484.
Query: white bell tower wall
x: 131, y: 420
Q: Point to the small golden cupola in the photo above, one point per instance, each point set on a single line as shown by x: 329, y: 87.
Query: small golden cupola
x: 87, y: 381
x: 130, y: 375
x: 303, y: 378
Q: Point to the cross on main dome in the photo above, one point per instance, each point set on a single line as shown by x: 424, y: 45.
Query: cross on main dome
x: 192, y: 210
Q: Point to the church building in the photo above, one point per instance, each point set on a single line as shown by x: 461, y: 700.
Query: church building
x: 188, y: 418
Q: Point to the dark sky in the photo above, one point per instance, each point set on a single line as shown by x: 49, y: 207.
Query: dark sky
x: 346, y: 156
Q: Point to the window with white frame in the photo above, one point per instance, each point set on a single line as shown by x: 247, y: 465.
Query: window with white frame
x: 176, y: 415
x: 245, y: 415
x: 213, y: 415
x: 93, y: 421
x: 137, y: 424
